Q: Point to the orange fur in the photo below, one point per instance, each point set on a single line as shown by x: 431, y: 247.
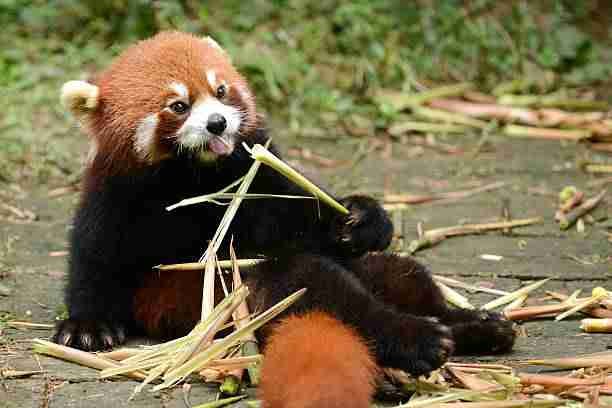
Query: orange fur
x: 169, y: 298
x: 315, y: 361
x: 136, y: 85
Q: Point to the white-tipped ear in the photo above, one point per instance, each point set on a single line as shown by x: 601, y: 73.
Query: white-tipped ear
x: 208, y: 39
x: 79, y: 97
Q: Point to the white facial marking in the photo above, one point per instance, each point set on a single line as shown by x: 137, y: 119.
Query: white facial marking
x: 193, y: 134
x: 144, y: 138
x: 181, y: 90
x: 211, y: 77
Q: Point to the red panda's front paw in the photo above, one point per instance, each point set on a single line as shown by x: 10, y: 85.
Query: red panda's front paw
x: 88, y: 335
x: 366, y: 228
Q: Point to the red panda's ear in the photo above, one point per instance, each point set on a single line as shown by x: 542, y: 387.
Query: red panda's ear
x: 79, y: 97
x: 211, y: 41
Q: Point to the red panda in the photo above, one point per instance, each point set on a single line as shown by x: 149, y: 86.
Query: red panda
x: 167, y: 120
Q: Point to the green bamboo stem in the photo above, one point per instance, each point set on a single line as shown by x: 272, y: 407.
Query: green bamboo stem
x: 263, y: 155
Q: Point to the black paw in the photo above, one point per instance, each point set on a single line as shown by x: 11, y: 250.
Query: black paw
x: 425, y: 345
x: 487, y: 333
x: 366, y: 228
x: 88, y: 335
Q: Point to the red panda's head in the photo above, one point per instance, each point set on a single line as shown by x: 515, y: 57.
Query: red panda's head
x: 172, y: 93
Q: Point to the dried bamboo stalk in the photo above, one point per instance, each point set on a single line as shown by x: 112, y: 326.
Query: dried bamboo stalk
x: 567, y: 220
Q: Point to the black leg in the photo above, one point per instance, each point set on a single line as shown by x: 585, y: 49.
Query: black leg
x: 415, y: 344
x: 408, y: 285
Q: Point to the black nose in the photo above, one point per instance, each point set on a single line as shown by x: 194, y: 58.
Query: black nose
x: 216, y: 124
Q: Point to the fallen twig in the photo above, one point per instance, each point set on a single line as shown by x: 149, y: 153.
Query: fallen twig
x: 452, y: 195
x: 567, y: 220
x: 434, y: 236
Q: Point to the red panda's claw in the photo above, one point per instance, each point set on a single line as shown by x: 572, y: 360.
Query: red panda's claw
x: 89, y: 335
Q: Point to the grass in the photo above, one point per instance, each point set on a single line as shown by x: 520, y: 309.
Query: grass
x: 314, y: 65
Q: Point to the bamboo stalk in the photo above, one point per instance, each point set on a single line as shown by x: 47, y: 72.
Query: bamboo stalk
x: 448, y: 117
x: 453, y: 297
x: 580, y: 306
x: 221, y: 402
x: 453, y: 282
x: 473, y: 382
x: 601, y: 360
x: 596, y: 325
x: 241, y: 317
x: 262, y: 155
x: 79, y: 357
x: 451, y: 195
x: 199, y: 266
x: 525, y: 313
x: 27, y: 325
x: 594, y: 311
x: 567, y: 220
x: 596, y: 168
x: 552, y: 101
x: 426, y: 127
x: 514, y: 295
x: 216, y: 349
x: 400, y: 100
x: 515, y: 305
x: 434, y: 236
x: 546, y: 133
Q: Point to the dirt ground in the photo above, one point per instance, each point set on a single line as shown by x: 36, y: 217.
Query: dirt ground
x: 32, y: 278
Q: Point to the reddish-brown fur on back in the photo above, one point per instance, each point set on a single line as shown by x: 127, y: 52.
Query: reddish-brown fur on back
x: 136, y: 85
x: 315, y: 361
x: 167, y: 300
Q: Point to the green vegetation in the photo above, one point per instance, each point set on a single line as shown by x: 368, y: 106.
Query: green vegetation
x: 314, y: 64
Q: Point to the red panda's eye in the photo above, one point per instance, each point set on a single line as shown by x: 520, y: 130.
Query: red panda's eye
x: 221, y: 91
x: 179, y: 107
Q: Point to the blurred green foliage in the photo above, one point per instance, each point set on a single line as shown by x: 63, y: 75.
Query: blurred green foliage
x: 312, y: 63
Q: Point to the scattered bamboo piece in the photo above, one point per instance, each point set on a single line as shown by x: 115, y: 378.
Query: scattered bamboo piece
x: 594, y: 360
x: 452, y: 195
x: 80, y: 357
x: 453, y: 297
x: 582, y: 305
x: 569, y: 219
x: 11, y: 374
x: 426, y: 127
x: 514, y: 295
x: 596, y: 168
x: 596, y: 325
x: 27, y: 325
x: 473, y: 382
x: 514, y: 306
x: 530, y: 312
x: 198, y: 266
x: 241, y: 318
x: 595, y: 311
x: 434, y: 236
x: 448, y: 117
x: 552, y: 101
x: 221, y: 402
x: 557, y: 381
x: 263, y: 155
x: 546, y: 133
x: 401, y: 100
x: 453, y: 282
